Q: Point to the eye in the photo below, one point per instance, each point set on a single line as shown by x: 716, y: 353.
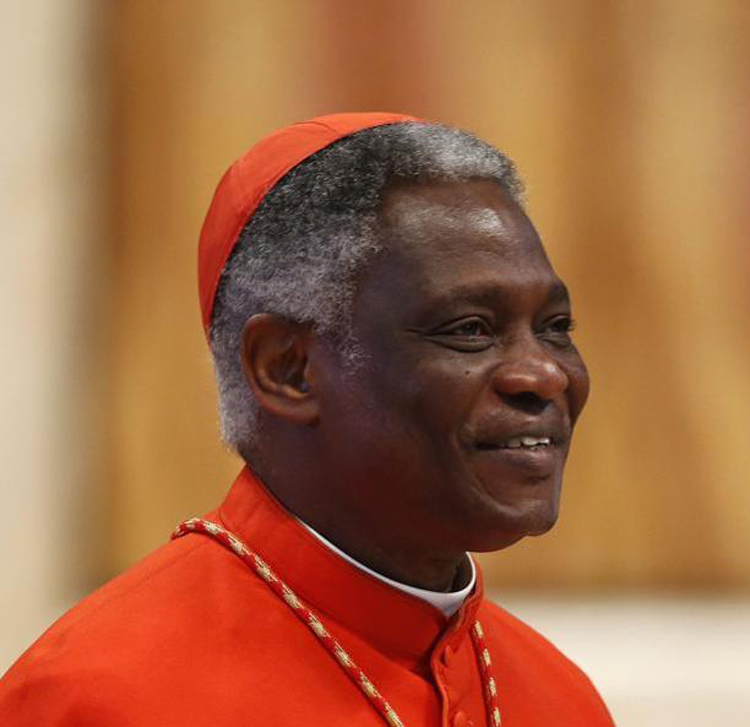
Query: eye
x: 558, y: 331
x: 473, y: 327
x: 467, y: 327
x: 466, y: 334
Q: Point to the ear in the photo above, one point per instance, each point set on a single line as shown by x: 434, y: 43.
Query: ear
x: 275, y: 361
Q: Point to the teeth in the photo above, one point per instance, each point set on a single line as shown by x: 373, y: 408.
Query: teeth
x: 528, y: 442
x: 533, y: 441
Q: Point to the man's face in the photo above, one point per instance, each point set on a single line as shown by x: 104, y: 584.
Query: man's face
x: 455, y: 429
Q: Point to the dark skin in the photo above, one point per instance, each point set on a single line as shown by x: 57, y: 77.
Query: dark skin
x: 412, y: 459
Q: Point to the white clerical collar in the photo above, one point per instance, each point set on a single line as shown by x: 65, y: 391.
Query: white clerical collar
x: 448, y: 603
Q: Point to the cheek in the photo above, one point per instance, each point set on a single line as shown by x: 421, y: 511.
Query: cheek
x: 578, y: 388
x: 432, y: 398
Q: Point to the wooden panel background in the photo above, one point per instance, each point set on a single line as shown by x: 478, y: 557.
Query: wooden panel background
x: 630, y: 123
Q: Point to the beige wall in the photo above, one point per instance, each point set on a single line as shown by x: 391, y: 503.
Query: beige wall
x: 51, y: 261
x: 631, y: 128
x: 630, y: 124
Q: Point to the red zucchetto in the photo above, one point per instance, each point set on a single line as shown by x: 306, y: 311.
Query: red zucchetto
x: 253, y: 175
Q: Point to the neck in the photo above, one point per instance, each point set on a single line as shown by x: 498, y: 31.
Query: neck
x: 462, y: 573
x: 373, y: 544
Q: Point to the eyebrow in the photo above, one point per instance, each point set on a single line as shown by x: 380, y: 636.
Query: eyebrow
x: 558, y: 293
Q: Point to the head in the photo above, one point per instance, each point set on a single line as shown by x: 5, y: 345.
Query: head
x: 389, y: 318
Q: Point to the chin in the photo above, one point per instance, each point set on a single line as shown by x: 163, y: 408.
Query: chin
x: 540, y: 516
x: 507, y: 525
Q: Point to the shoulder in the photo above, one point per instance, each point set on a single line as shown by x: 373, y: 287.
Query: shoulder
x: 131, y: 634
x: 538, y: 670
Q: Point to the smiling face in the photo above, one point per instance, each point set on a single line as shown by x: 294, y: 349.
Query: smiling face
x: 455, y: 429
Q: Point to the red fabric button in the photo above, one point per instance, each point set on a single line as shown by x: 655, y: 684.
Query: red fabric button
x: 447, y: 656
x: 460, y: 719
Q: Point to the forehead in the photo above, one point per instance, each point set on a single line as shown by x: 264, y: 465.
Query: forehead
x: 411, y: 203
x: 441, y: 238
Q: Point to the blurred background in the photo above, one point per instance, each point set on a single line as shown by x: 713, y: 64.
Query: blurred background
x: 630, y: 122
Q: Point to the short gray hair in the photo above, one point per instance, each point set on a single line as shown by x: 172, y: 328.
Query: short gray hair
x: 299, y: 253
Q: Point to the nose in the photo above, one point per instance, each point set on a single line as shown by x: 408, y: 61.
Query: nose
x: 528, y: 371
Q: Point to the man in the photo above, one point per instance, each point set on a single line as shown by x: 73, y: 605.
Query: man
x: 395, y: 366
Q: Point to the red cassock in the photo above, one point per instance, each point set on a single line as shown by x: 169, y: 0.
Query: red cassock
x: 192, y: 636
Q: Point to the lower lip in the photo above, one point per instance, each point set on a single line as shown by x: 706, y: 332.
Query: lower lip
x: 538, y: 459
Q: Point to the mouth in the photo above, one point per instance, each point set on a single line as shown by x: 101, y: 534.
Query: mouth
x: 537, y: 452
x: 525, y: 443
